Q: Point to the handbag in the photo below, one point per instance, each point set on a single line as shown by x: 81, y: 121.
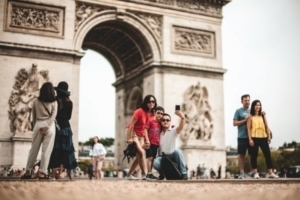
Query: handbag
x: 57, y: 127
x: 271, y: 135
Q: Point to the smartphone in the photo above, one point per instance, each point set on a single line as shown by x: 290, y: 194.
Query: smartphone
x: 177, y: 107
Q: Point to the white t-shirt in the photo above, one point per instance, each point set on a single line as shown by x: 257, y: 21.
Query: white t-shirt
x: 98, y: 150
x: 168, y: 140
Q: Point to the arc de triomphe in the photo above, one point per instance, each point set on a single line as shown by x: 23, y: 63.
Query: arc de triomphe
x: 169, y: 48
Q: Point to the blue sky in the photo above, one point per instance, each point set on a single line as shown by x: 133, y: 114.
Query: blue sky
x: 261, y: 40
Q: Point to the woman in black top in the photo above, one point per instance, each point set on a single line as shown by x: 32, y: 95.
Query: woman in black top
x: 63, y: 156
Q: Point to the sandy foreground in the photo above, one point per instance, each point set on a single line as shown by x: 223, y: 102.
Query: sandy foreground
x: 137, y: 190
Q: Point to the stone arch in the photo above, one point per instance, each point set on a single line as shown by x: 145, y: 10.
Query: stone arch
x: 133, y: 29
x: 134, y: 99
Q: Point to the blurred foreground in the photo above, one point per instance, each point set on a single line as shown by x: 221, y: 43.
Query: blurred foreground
x: 136, y: 190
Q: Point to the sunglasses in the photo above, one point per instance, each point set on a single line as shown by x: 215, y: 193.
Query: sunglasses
x: 165, y: 120
x: 151, y: 101
x: 159, y: 113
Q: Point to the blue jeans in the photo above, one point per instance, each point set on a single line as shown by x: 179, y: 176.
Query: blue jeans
x: 176, y: 156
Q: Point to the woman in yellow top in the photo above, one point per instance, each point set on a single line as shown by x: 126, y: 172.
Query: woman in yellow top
x: 259, y: 136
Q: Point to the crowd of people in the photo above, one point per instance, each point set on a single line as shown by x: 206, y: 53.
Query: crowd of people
x: 149, y: 129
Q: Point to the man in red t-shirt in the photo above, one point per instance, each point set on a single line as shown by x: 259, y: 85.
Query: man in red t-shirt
x: 152, y: 132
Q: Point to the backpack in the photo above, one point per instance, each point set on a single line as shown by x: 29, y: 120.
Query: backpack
x: 130, y: 151
x: 170, y: 168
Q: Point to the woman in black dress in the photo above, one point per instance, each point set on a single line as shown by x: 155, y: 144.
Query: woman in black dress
x: 63, y: 156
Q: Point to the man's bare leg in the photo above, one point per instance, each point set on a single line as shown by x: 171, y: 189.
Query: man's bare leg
x: 149, y: 164
x: 241, y: 163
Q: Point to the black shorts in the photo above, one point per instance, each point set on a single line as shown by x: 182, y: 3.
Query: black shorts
x: 243, y: 146
x: 152, y: 151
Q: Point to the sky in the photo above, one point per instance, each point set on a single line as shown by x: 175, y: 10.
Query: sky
x: 261, y: 40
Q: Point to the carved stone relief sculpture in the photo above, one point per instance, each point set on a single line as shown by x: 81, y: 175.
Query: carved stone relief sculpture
x: 193, y: 41
x: 25, y: 90
x: 84, y: 11
x: 199, y: 123
x: 154, y: 22
x: 34, y: 18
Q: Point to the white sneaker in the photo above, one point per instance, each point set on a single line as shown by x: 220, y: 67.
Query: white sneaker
x: 144, y: 177
x: 131, y: 177
x: 272, y: 176
x: 256, y: 176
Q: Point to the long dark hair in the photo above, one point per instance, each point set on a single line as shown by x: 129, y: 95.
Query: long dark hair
x: 252, y: 109
x: 47, y: 93
x: 93, y: 142
x: 146, y: 101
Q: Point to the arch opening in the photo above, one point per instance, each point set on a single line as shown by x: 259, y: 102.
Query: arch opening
x: 123, y: 45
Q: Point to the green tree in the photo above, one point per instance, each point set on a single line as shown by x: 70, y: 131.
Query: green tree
x: 105, y: 141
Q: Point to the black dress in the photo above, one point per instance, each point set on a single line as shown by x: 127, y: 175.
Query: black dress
x: 63, y: 149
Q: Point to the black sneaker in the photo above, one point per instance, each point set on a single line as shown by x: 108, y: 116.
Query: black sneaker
x: 161, y: 177
x: 151, y: 177
x: 184, y: 177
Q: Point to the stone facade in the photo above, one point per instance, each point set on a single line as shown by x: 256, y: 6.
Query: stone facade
x: 169, y: 48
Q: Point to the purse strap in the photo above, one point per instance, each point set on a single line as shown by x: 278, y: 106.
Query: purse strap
x: 271, y: 135
x: 46, y: 109
x: 48, y: 112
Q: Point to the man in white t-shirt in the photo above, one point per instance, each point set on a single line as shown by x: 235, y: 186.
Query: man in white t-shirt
x: 167, y: 144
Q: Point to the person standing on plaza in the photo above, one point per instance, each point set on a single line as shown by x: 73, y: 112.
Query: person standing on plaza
x: 167, y: 145
x: 240, y: 120
x: 135, y: 132
x: 43, y: 131
x: 153, y: 130
x: 63, y: 156
x: 259, y: 136
x: 97, y: 154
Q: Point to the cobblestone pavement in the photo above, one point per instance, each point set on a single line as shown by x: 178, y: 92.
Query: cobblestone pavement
x: 143, y: 190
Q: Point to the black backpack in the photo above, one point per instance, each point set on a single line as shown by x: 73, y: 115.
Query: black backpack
x: 170, y: 168
x: 130, y: 151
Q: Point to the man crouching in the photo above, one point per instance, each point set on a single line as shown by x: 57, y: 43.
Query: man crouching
x: 167, y: 144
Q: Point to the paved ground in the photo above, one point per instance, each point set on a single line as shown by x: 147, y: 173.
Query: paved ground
x: 265, y: 189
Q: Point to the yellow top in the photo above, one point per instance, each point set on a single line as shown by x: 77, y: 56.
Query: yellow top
x: 258, y: 129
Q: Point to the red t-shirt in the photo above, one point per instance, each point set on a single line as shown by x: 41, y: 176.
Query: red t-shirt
x: 154, y: 130
x: 142, y: 118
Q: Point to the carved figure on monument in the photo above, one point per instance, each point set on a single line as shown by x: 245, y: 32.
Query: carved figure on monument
x: 84, y: 11
x: 192, y: 41
x: 25, y: 90
x: 199, y: 124
x: 154, y: 21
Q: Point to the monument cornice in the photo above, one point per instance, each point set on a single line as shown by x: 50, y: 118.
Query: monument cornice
x: 211, y: 8
x: 41, y: 52
x: 194, y: 67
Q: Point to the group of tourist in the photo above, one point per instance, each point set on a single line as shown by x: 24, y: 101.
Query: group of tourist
x: 51, y: 130
x: 150, y: 128
x: 253, y: 133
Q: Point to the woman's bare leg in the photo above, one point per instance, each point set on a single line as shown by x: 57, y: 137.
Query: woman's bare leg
x: 61, y: 171
x: 141, y: 155
x: 139, y: 160
x: 133, y: 166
